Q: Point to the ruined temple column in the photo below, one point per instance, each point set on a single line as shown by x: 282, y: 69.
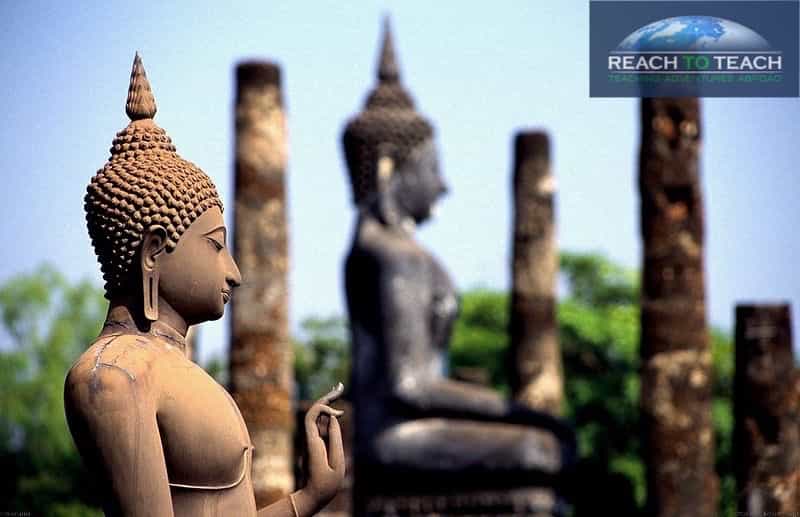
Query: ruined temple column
x: 676, y: 390
x: 536, y: 373
x: 767, y: 412
x: 261, y: 354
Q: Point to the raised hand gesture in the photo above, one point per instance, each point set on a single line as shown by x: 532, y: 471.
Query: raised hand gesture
x: 326, y: 461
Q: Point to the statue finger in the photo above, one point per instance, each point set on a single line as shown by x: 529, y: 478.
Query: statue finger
x: 335, y: 447
x: 317, y: 453
x: 312, y: 430
x: 332, y: 395
x: 312, y: 414
x: 327, y: 410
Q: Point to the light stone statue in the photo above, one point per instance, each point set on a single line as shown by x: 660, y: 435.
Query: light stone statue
x: 161, y: 436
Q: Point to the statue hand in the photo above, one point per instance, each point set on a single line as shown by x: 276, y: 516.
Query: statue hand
x: 326, y: 462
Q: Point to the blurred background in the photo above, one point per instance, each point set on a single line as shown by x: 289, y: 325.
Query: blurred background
x: 479, y: 72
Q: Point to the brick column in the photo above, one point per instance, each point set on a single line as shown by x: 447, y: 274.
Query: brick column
x: 536, y: 372
x: 767, y: 411
x: 261, y: 369
x: 676, y: 391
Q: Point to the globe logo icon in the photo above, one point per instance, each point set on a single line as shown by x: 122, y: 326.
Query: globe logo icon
x: 693, y: 33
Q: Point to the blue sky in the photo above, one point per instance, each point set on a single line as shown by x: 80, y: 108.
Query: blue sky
x: 479, y: 71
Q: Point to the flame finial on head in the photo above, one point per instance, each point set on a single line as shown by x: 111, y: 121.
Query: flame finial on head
x: 388, y: 127
x: 140, y: 104
x: 388, y: 71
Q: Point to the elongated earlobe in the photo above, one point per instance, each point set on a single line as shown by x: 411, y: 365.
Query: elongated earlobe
x: 385, y: 171
x: 386, y: 208
x: 150, y: 292
x: 154, y: 243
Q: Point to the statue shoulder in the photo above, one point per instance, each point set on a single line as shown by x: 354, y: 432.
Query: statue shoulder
x: 387, y: 246
x: 113, y: 362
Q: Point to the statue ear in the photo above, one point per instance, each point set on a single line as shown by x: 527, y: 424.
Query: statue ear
x: 153, y: 244
x: 385, y: 166
x: 385, y: 171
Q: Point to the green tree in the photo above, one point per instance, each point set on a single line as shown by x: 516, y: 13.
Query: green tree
x: 599, y: 331
x: 722, y: 350
x: 599, y: 335
x: 480, y: 336
x: 321, y: 356
x: 47, y: 323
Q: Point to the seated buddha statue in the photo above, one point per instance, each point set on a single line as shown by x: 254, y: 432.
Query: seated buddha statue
x: 162, y: 437
x: 411, y: 420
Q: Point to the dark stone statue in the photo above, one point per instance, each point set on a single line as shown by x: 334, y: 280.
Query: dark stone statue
x: 416, y: 430
x: 160, y: 435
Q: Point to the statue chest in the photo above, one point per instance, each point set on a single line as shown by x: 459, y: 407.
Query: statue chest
x: 205, y: 440
x: 444, y: 298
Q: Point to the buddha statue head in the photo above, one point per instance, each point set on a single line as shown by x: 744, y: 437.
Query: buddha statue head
x: 155, y: 221
x: 389, y: 147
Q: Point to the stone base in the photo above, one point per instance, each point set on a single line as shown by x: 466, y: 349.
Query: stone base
x: 516, y: 502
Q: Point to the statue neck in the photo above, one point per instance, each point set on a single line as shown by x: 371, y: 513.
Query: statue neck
x: 125, y: 313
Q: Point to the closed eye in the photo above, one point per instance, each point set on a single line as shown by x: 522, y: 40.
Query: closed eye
x: 214, y: 242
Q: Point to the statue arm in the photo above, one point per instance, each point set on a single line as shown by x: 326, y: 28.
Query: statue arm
x: 114, y: 424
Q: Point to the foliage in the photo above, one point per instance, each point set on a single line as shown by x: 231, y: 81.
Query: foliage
x: 480, y: 335
x: 217, y: 368
x: 722, y: 350
x: 321, y: 356
x: 599, y: 337
x: 48, y: 323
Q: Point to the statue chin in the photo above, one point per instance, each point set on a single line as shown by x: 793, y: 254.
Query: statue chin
x: 218, y: 311
x: 211, y: 313
x: 215, y: 316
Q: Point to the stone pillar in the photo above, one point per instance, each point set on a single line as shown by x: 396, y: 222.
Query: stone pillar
x: 676, y: 389
x: 767, y: 412
x: 536, y: 372
x: 261, y: 369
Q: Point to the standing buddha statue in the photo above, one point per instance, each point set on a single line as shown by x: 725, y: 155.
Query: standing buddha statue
x: 161, y: 436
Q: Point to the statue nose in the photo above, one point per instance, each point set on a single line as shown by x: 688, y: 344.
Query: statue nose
x: 233, y: 277
x: 233, y: 282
